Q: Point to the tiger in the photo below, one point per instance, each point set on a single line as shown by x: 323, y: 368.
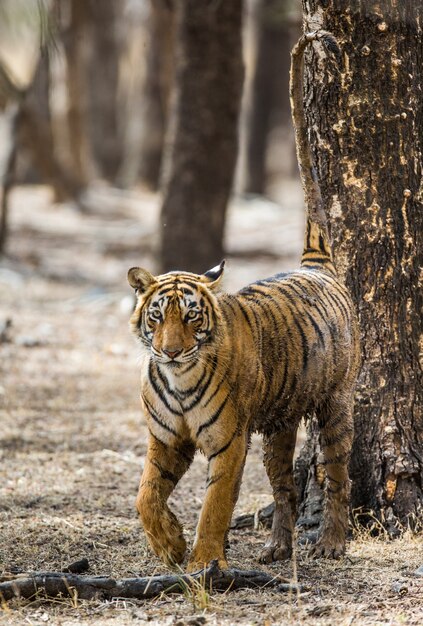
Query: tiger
x: 216, y: 367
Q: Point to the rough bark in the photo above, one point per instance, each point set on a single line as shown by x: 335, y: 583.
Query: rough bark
x: 366, y: 133
x: 366, y: 129
x: 156, y: 90
x: 202, y: 133
x: 53, y: 584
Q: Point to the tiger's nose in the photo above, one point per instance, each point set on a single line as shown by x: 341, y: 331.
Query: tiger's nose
x: 172, y: 353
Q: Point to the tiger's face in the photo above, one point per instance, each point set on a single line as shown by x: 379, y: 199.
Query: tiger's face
x: 176, y: 313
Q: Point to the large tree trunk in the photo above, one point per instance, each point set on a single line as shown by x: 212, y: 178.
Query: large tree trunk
x: 202, y: 134
x: 367, y: 131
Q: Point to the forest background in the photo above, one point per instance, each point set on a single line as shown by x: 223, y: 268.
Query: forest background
x: 95, y: 157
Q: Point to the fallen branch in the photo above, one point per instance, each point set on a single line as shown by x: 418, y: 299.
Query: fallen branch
x: 53, y: 584
x: 250, y: 520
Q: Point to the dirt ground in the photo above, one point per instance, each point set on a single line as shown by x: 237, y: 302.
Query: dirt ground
x: 73, y: 439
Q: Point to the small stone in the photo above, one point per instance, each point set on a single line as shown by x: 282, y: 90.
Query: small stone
x: 382, y: 27
x: 400, y: 587
x: 5, y: 328
x: 406, y: 193
x: 419, y: 571
x: 365, y: 51
x: 29, y: 342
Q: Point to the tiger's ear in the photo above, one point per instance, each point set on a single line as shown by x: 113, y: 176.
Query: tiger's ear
x: 213, y: 277
x: 140, y: 279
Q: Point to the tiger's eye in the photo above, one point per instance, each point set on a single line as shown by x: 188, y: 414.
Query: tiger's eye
x: 156, y: 315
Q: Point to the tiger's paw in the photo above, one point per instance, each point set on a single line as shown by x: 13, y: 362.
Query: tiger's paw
x: 171, y: 553
x: 167, y: 540
x: 275, y: 551
x: 328, y: 548
x: 198, y: 566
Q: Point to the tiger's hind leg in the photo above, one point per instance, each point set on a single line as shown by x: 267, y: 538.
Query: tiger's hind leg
x: 164, y: 466
x: 278, y: 454
x: 336, y: 435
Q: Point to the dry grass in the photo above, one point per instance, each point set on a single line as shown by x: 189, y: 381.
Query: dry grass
x: 72, y: 442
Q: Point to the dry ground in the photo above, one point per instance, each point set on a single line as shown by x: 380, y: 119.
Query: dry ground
x: 73, y: 440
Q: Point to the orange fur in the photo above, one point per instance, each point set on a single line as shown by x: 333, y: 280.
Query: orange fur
x: 216, y: 367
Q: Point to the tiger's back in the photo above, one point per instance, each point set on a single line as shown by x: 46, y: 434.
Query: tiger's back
x: 294, y: 339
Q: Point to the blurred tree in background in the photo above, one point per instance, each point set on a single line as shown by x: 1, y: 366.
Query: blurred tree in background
x: 202, y: 133
x: 157, y: 86
x: 96, y: 87
x: 277, y: 26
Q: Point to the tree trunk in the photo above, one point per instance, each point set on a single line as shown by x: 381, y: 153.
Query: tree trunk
x: 34, y: 133
x: 104, y: 116
x: 74, y: 37
x: 7, y: 176
x: 202, y: 134
x: 270, y: 88
x: 156, y: 90
x: 366, y: 131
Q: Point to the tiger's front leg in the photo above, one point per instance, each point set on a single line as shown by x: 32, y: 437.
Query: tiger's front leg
x: 164, y: 466
x: 224, y: 477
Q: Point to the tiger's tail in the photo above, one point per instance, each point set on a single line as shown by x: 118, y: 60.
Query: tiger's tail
x: 317, y: 243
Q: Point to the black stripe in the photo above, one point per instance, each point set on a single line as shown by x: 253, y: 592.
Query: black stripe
x: 188, y: 392
x: 257, y: 326
x: 316, y: 259
x: 223, y: 449
x: 213, y: 418
x: 213, y: 480
x: 281, y: 391
x: 245, y: 315
x: 157, y: 419
x: 159, y: 392
x: 188, y: 369
x: 324, y: 297
x: 297, y: 324
x: 318, y: 303
x: 206, y: 386
x: 181, y: 395
x: 219, y: 385
x: 310, y: 317
x: 314, y: 251
x: 325, y: 281
x: 158, y: 439
x: 190, y: 283
x: 165, y: 382
x: 165, y: 474
x: 273, y: 348
x: 287, y: 332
